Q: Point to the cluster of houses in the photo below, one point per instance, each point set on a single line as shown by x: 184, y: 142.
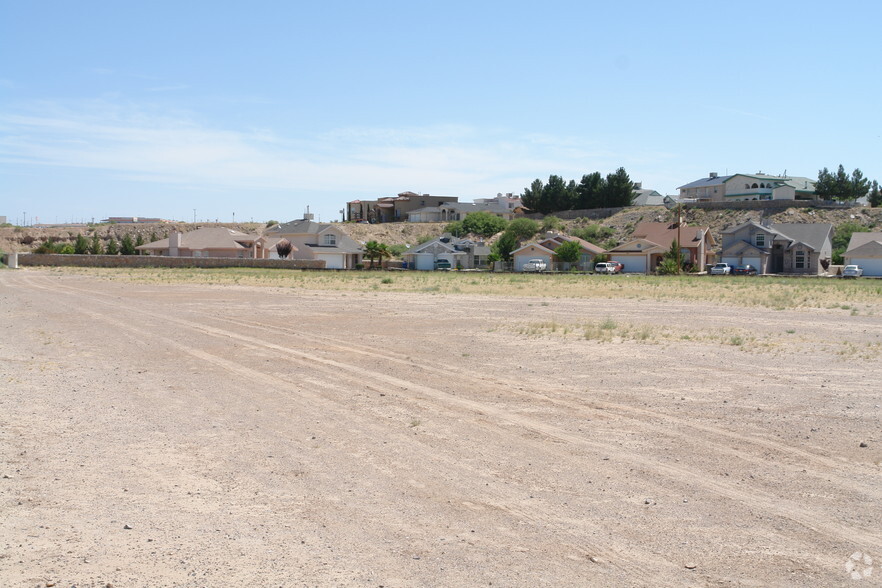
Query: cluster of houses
x: 413, y: 207
x: 772, y: 248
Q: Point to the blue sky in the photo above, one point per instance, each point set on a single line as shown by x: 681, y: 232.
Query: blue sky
x: 261, y: 109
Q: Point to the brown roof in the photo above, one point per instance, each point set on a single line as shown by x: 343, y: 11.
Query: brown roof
x: 665, y: 233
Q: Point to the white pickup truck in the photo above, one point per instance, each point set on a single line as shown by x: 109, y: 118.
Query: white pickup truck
x: 535, y: 265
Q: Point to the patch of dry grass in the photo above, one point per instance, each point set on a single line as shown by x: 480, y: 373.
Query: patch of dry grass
x: 859, y: 296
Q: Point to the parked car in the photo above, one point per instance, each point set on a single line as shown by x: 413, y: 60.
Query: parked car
x: 535, y: 265
x: 608, y: 267
x: 721, y: 269
x: 744, y: 270
x: 442, y: 264
x: 852, y: 271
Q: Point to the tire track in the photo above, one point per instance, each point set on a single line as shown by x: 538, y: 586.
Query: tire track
x: 755, y: 499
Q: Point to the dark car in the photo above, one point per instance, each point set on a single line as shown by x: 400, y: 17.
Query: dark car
x: 744, y: 270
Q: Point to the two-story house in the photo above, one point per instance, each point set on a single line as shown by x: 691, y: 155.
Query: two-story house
x: 779, y: 248
x: 716, y: 188
x: 319, y: 241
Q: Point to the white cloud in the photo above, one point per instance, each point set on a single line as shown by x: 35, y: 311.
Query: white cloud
x: 139, y: 145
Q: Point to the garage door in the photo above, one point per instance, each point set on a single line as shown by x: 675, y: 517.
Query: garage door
x: 520, y: 260
x: 332, y: 261
x: 425, y: 261
x: 754, y: 261
x: 871, y: 265
x: 733, y: 261
x: 633, y: 265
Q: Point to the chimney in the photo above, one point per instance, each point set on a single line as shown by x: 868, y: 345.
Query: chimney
x: 638, y: 185
x: 713, y: 175
x: 174, y: 243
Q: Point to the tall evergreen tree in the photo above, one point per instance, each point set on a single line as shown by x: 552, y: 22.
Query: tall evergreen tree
x: 81, y: 246
x: 112, y: 247
x: 588, y: 191
x: 127, y: 247
x: 532, y: 196
x: 95, y: 248
x: 875, y: 196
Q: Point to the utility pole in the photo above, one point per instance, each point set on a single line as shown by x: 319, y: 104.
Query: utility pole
x: 194, y: 216
x: 679, y: 243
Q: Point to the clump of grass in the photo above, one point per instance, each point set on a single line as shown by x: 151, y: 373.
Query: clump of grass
x: 608, y: 324
x: 736, y: 340
x: 386, y: 281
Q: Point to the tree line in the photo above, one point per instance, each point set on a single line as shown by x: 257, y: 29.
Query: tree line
x: 843, y: 187
x: 593, y: 191
x: 94, y: 246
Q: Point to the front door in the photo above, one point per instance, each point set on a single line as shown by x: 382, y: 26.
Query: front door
x: 777, y: 259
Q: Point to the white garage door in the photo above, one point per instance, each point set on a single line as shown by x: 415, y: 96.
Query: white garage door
x: 871, y: 265
x: 733, y: 261
x: 520, y: 260
x: 633, y: 265
x: 425, y: 261
x: 332, y: 261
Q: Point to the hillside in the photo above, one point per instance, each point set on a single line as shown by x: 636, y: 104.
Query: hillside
x: 24, y: 239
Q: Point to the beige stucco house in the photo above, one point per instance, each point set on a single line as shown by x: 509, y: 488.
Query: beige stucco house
x: 650, y: 241
x: 717, y: 188
x: 779, y: 248
x: 209, y: 242
x: 319, y: 241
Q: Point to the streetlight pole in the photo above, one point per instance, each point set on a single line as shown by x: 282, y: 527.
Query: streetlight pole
x: 194, y: 216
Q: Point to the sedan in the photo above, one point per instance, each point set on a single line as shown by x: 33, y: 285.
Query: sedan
x: 744, y: 270
x: 852, y: 271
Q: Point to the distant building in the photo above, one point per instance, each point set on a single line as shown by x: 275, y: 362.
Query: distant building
x: 716, y: 188
x: 504, y: 205
x: 646, y: 197
x: 392, y: 208
x: 132, y: 220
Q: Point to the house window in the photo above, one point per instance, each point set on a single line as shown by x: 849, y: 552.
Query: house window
x: 760, y: 240
x: 800, y: 260
x: 330, y: 240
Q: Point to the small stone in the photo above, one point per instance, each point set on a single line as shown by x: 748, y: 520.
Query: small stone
x: 647, y: 501
x: 863, y: 444
x: 7, y: 477
x: 127, y: 526
x: 690, y: 566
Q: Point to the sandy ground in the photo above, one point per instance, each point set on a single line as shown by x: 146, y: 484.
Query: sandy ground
x: 182, y: 435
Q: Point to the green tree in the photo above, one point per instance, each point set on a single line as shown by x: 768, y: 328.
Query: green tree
x: 532, y: 196
x: 523, y: 228
x: 66, y: 249
x: 875, y: 196
x: 376, y: 250
x: 672, y: 262
x: 588, y: 191
x: 127, y: 247
x: 593, y: 233
x: 455, y: 228
x: 81, y: 246
x: 47, y: 246
x: 568, y: 252
x: 617, y: 190
x: 138, y: 242
x: 558, y: 195
x: 551, y: 223
x: 95, y: 247
x: 112, y: 247
x: 484, y: 224
x: 840, y: 186
x: 841, y: 236
x: 503, y: 247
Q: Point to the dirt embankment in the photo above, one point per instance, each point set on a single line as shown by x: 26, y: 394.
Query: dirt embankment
x: 24, y: 239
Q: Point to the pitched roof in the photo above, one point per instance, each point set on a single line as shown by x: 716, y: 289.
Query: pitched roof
x: 208, y: 238
x: 556, y: 241
x: 868, y: 249
x: 666, y: 233
x: 812, y: 234
x: 703, y: 182
x: 345, y: 244
x: 862, y: 238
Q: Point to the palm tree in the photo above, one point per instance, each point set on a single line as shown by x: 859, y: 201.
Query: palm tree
x: 375, y: 250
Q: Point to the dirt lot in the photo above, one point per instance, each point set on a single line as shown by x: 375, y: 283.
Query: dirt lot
x: 183, y: 434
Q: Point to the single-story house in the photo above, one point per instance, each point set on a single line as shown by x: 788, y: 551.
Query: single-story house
x: 865, y: 250
x: 319, y: 241
x: 544, y: 249
x: 209, y: 242
x: 651, y: 241
x: 460, y: 253
x: 779, y: 248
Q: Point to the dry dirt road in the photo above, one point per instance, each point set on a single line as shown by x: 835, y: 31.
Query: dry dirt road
x: 183, y: 435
